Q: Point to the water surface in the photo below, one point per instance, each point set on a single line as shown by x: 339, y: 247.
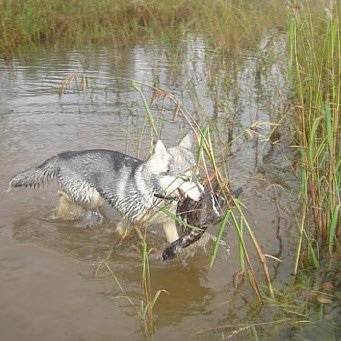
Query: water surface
x: 69, y: 100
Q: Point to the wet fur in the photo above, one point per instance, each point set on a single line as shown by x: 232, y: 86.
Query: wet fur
x: 86, y: 179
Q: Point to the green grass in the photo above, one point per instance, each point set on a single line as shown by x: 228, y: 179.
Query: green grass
x: 315, y: 54
x: 229, y: 26
x: 144, y: 306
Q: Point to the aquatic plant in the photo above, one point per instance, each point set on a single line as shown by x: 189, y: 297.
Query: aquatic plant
x: 315, y: 59
x: 229, y: 26
x: 207, y: 161
x: 143, y: 306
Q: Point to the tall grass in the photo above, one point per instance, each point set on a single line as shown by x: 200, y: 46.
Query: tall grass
x: 228, y: 25
x: 144, y: 306
x: 236, y: 216
x: 147, y: 305
x: 315, y: 52
x: 208, y: 164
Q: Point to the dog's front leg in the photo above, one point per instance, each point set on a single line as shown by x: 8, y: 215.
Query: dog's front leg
x: 123, y: 228
x: 170, y: 230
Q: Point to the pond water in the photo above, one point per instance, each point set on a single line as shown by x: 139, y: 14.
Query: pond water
x: 59, y: 100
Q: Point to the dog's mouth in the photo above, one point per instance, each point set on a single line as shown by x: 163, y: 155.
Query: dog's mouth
x: 182, y: 195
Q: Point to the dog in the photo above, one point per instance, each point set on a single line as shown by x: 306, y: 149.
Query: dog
x: 144, y: 192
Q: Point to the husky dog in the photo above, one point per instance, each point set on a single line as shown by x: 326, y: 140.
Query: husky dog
x: 137, y: 189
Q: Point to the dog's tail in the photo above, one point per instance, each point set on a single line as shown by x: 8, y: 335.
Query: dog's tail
x: 36, y: 176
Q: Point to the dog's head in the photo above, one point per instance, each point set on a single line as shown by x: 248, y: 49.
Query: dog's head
x: 176, y: 170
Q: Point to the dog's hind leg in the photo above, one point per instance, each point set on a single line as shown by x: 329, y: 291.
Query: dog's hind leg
x: 66, y: 209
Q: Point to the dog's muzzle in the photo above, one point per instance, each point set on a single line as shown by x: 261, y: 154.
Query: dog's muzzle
x: 181, y: 195
x: 165, y: 197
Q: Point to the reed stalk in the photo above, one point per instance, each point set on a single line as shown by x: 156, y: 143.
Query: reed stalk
x: 147, y: 304
x: 314, y: 51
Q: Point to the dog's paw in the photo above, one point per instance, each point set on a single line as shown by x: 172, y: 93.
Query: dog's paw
x: 168, y: 253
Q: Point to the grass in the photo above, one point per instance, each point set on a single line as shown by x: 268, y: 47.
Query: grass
x: 315, y: 56
x: 208, y: 163
x: 144, y: 307
x: 230, y: 26
x: 238, y: 219
x: 147, y: 304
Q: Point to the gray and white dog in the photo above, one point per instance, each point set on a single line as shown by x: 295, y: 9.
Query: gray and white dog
x: 138, y: 189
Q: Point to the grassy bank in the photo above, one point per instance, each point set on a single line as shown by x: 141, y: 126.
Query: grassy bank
x: 228, y: 25
x: 315, y: 51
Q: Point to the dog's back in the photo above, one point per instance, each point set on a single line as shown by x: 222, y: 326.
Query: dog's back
x: 85, y: 175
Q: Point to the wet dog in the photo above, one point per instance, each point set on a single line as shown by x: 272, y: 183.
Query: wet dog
x: 144, y: 192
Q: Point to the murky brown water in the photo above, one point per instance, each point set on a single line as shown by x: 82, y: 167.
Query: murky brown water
x: 47, y: 286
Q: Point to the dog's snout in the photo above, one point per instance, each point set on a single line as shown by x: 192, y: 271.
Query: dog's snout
x: 201, y: 190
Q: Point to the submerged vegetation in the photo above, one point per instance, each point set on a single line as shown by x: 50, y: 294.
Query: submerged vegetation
x: 230, y: 27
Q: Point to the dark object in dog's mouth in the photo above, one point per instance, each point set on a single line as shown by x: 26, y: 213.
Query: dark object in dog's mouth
x: 165, y: 197
x: 209, y: 210
x: 180, y: 197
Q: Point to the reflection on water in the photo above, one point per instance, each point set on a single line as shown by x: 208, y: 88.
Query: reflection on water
x: 69, y: 100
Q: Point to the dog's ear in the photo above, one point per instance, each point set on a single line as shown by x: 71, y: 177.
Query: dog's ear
x: 161, y: 156
x: 187, y: 141
x: 160, y: 148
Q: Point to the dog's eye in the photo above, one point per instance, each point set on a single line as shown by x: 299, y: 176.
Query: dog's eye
x: 185, y: 178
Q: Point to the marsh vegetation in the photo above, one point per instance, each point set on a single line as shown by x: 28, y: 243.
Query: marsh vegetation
x: 230, y: 26
x: 309, y: 116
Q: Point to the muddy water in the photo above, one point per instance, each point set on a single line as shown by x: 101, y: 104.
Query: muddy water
x: 69, y: 100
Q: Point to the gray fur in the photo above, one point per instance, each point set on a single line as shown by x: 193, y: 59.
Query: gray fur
x: 36, y: 176
x: 89, y: 177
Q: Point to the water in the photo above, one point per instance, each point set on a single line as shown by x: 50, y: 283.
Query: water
x: 68, y: 100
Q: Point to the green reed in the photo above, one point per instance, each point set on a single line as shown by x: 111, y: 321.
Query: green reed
x: 315, y: 57
x: 209, y: 165
x: 237, y: 218
x: 149, y: 114
x: 146, y: 312
x: 229, y: 26
x: 145, y: 306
